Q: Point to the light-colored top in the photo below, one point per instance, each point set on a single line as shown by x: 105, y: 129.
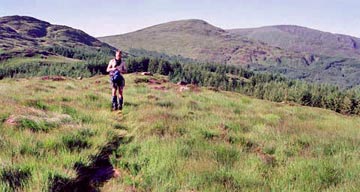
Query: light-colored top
x: 112, y: 67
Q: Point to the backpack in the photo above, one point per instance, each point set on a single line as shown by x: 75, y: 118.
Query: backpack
x: 116, y: 77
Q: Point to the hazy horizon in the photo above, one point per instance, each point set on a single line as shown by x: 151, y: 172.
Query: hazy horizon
x: 124, y: 16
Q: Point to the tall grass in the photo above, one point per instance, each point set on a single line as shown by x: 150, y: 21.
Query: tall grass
x: 182, y: 141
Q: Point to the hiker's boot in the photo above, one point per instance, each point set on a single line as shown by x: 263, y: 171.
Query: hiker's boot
x: 120, y: 103
x: 114, y: 103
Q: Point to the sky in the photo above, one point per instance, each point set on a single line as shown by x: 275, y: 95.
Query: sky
x: 110, y: 17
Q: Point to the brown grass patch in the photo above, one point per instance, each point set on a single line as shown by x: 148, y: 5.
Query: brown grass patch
x: 53, y: 78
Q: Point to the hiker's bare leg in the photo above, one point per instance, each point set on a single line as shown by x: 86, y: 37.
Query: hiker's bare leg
x: 120, y: 92
x: 113, y: 91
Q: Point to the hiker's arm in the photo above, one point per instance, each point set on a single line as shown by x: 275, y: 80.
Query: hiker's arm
x: 110, y: 67
x: 123, y: 68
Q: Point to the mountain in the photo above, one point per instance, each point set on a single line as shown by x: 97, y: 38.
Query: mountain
x: 197, y: 39
x: 296, y: 52
x: 302, y: 39
x: 19, y: 34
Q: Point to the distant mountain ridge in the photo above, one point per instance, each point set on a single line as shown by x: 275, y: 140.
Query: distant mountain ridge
x: 197, y: 39
x: 296, y: 52
x: 19, y: 33
x: 253, y: 44
x: 302, y: 39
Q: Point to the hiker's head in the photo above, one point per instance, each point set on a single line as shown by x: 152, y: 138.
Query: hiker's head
x: 118, y: 54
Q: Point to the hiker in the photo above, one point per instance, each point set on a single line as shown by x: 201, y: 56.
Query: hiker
x: 115, y: 68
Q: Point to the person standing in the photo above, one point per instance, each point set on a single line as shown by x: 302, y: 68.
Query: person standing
x: 115, y: 69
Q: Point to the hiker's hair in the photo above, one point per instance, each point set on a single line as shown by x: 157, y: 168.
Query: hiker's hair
x: 118, y: 52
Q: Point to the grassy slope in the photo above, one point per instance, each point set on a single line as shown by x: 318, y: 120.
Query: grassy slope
x: 192, y: 140
x: 37, y: 59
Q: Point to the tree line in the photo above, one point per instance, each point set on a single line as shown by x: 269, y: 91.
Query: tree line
x: 92, y: 61
x: 272, y: 87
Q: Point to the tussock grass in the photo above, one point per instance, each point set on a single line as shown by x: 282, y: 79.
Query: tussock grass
x: 4, y: 117
x: 165, y: 104
x: 36, y: 125
x: 15, y: 178
x: 182, y: 141
x: 79, y: 140
x: 37, y: 104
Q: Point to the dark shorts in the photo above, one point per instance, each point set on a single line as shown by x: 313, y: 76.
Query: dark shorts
x: 119, y: 84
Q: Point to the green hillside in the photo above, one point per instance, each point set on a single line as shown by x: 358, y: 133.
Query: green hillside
x: 296, y: 52
x: 32, y: 47
x: 176, y: 138
x: 29, y: 44
x: 23, y: 32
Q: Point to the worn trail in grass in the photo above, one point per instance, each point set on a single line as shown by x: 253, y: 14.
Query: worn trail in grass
x: 183, y: 138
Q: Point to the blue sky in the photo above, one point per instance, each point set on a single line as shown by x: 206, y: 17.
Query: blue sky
x: 108, y: 17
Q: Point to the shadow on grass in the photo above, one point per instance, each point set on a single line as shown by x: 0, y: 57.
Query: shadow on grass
x: 15, y: 177
x: 78, y: 141
x: 92, y: 176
